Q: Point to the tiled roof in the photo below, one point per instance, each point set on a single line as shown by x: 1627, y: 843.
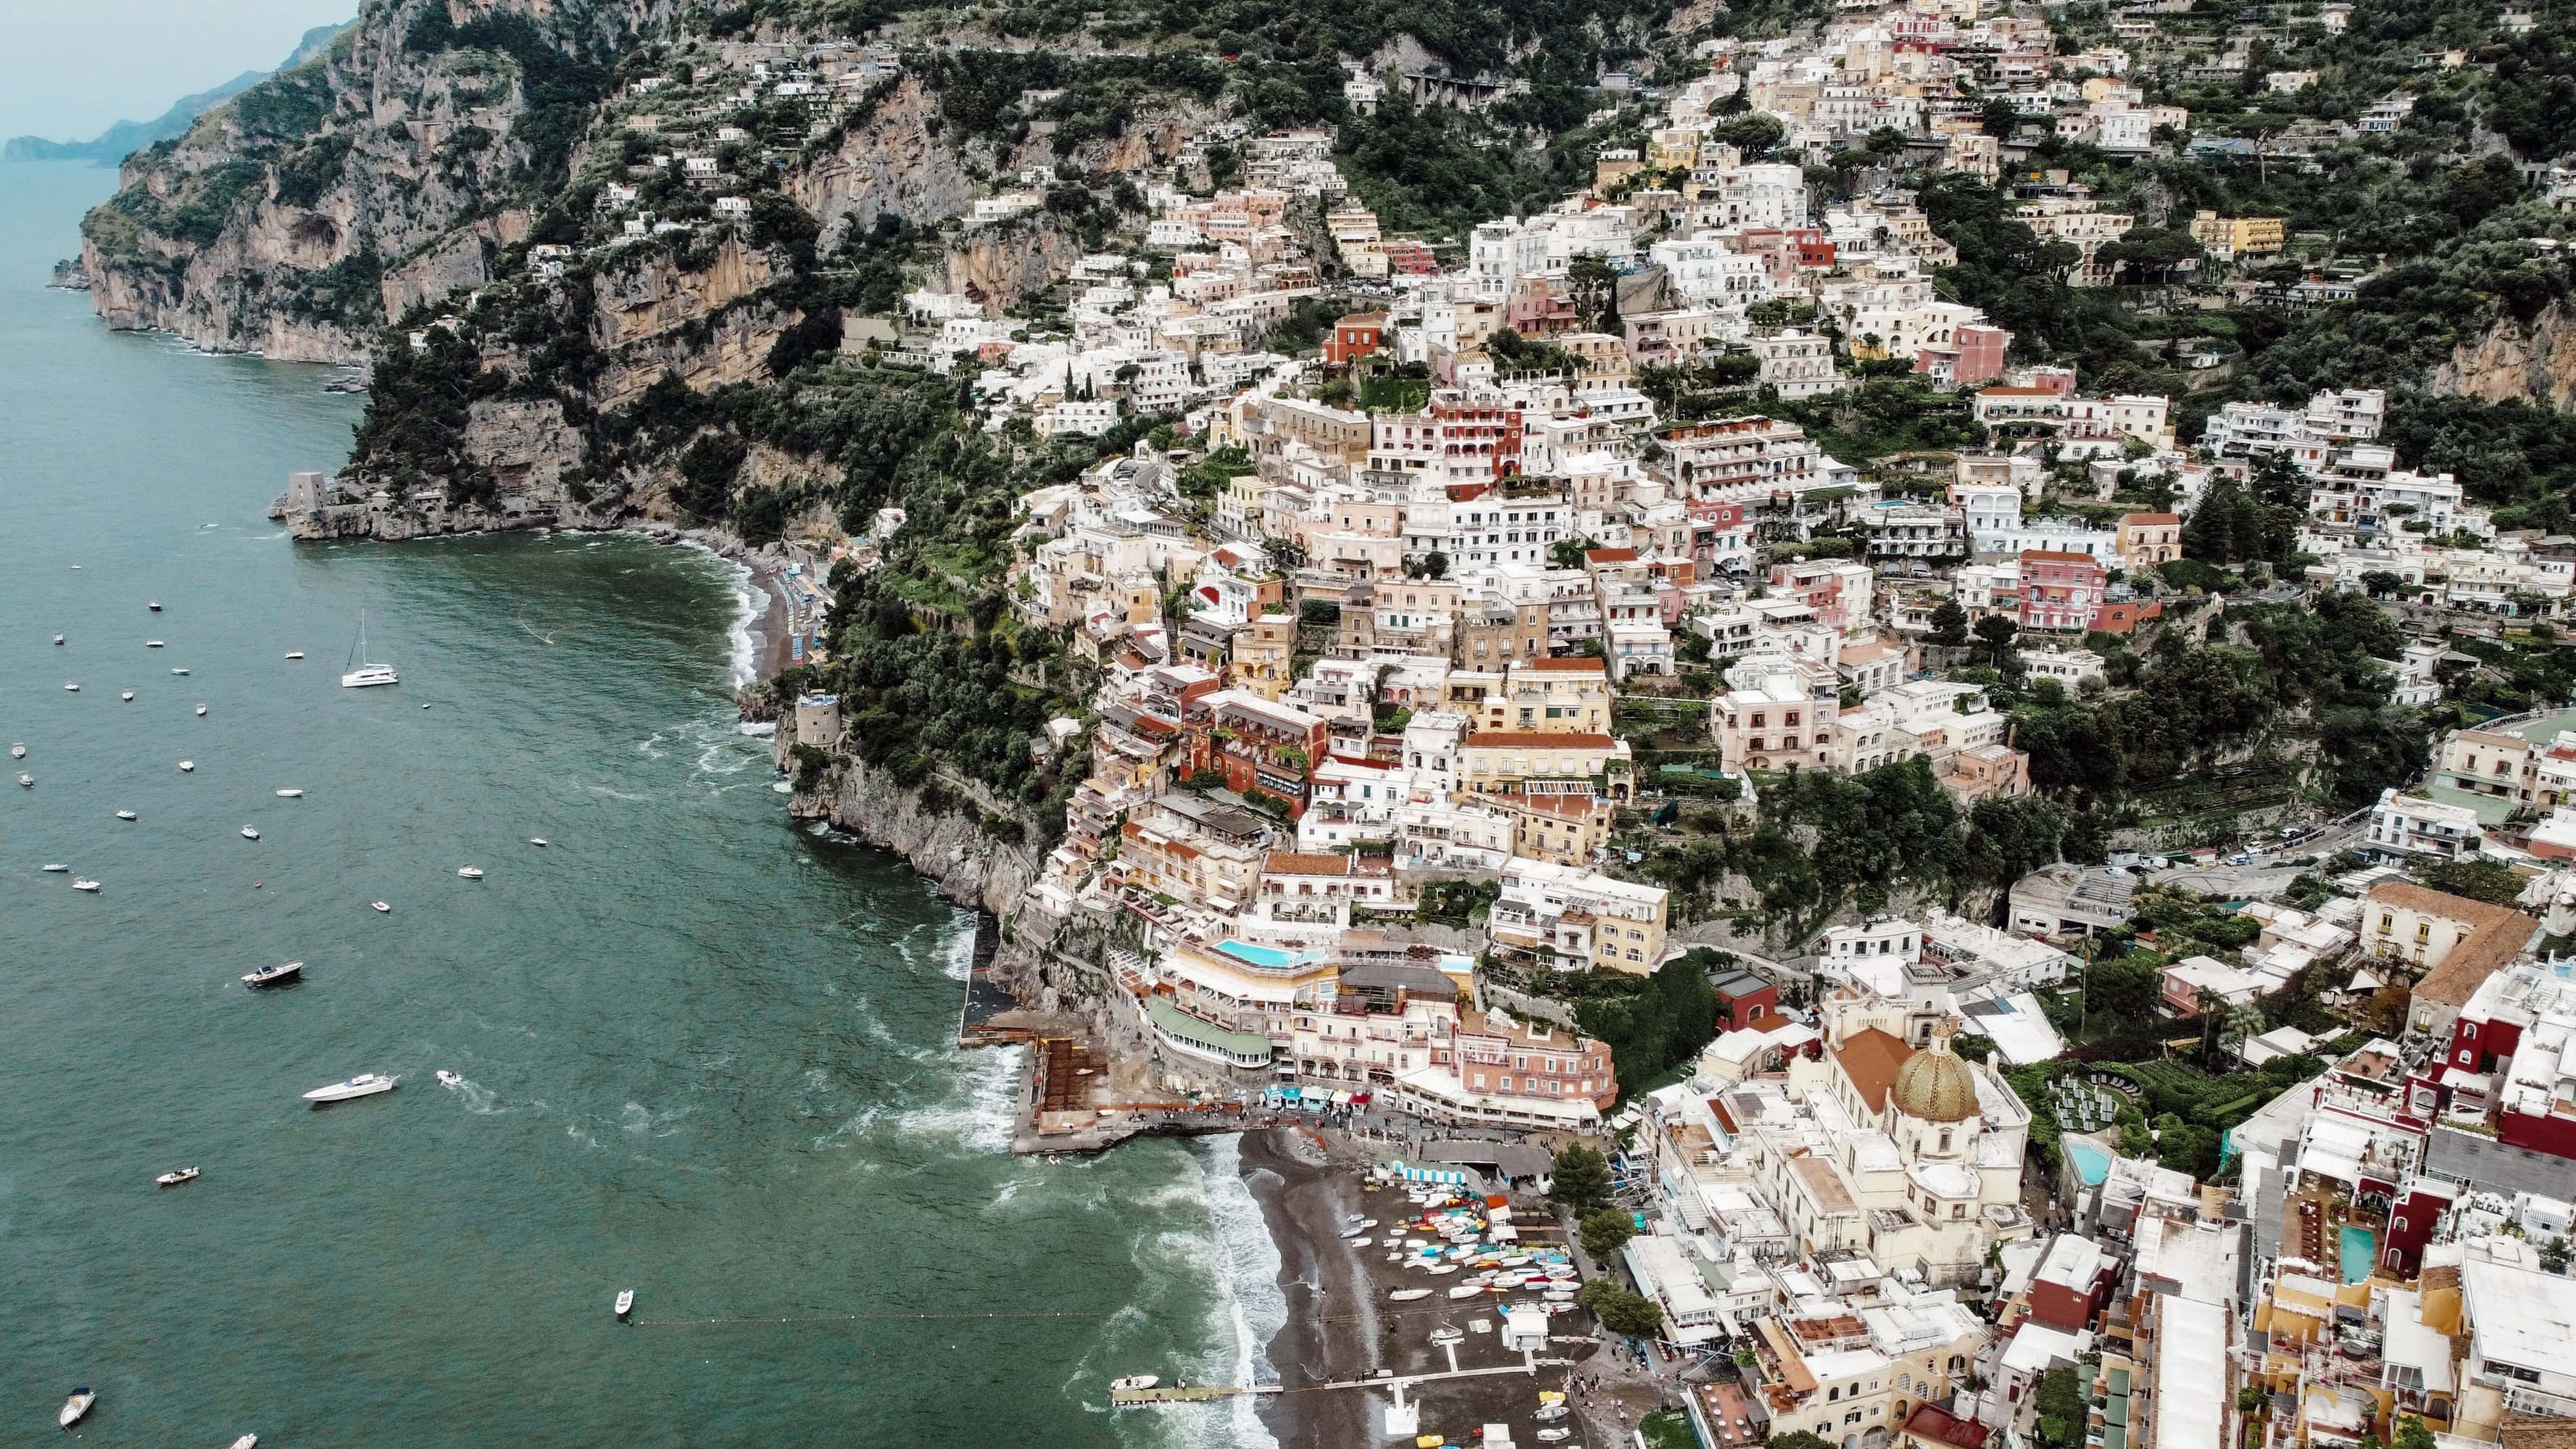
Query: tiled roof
x: 1290, y: 862
x: 1871, y: 1058
x: 2497, y: 934
x: 1535, y: 740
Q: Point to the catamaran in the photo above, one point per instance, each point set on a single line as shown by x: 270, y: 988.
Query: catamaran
x: 362, y: 672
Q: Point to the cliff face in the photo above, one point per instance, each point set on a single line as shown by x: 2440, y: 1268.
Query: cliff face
x: 2515, y: 361
x: 294, y: 218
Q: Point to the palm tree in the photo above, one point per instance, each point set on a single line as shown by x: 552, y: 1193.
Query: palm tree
x: 2244, y: 1023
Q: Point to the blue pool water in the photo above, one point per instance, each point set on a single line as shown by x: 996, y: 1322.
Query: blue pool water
x: 2360, y: 1251
x: 2091, y: 1163
x: 1258, y: 955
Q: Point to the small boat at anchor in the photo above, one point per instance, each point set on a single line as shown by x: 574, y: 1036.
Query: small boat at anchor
x: 70, y: 688
x: 154, y: 606
x: 187, y: 767
x: 625, y: 1302
x: 249, y: 834
x: 26, y: 781
x: 1134, y: 1383
x: 290, y: 794
x: 55, y: 867
x: 295, y: 654
x: 201, y: 709
x: 363, y: 672
x: 173, y: 1179
x: 17, y: 752
x: 90, y: 886
x: 247, y: 1441
x: 364, y: 1084
x: 381, y: 908
x: 470, y: 872
x: 128, y: 696
x: 537, y: 840
x: 125, y: 815
x: 180, y: 672
x: 151, y: 643
x: 78, y: 1405
x: 58, y: 641
x: 274, y: 975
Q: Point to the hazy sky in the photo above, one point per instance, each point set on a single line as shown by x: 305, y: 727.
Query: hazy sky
x: 71, y: 68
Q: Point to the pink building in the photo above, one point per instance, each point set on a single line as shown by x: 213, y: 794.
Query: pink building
x: 1973, y: 356
x: 2060, y: 590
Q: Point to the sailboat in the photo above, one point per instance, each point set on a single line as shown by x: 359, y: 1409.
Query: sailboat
x: 362, y: 672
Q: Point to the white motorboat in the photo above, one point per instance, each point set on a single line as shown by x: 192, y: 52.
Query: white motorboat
x: 173, y: 1179
x: 249, y: 834
x: 447, y: 1078
x: 1467, y: 1290
x: 187, y: 767
x: 1552, y: 1436
x: 381, y: 907
x: 365, y: 1084
x: 1552, y: 1411
x: 26, y: 781
x: 201, y: 710
x: 128, y: 696
x: 90, y: 886
x: 290, y: 794
x: 295, y: 654
x: 58, y: 640
x: 536, y: 840
x: 625, y: 1301
x: 1408, y: 1295
x: 17, y: 752
x: 247, y: 1441
x: 1447, y: 1334
x: 1362, y: 1242
x: 76, y: 1406
x: 361, y: 671
x: 70, y: 688
x: 124, y: 814
x: 181, y: 672
x: 151, y: 643
x: 274, y: 975
x: 1134, y: 1383
x: 154, y: 606
x: 470, y: 872
x: 56, y: 868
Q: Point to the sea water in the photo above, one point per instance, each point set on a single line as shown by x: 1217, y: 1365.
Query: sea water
x: 704, y: 1053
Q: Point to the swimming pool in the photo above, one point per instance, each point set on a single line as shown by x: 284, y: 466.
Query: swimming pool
x: 2092, y: 1164
x: 1270, y: 956
x: 2360, y: 1252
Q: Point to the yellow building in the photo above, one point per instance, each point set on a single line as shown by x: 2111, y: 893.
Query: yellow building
x: 1551, y: 696
x: 2229, y: 237
x: 1535, y: 762
x: 1566, y: 829
x: 1260, y: 654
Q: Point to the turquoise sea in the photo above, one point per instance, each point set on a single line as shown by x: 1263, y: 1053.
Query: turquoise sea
x: 706, y: 1054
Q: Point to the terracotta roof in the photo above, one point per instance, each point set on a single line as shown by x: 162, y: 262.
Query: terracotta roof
x: 1290, y: 862
x: 2017, y: 392
x: 2497, y: 934
x: 1564, y: 666
x: 1936, y: 1426
x: 2055, y: 556
x: 1872, y: 1058
x: 1576, y: 806
x: 2150, y: 520
x: 1535, y: 740
x: 1610, y: 555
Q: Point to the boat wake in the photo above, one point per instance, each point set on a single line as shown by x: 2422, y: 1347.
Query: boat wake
x: 480, y: 1100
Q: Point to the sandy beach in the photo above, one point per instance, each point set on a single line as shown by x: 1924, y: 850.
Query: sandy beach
x: 1341, y: 1326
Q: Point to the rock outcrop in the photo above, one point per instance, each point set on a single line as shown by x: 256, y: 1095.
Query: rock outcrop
x: 2515, y: 361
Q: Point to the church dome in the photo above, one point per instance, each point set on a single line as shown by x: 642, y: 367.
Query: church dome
x: 1935, y: 1086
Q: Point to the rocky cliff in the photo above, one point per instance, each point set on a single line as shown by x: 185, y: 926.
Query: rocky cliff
x: 2516, y: 361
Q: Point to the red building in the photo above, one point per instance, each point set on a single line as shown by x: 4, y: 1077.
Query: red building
x: 2060, y: 590
x: 1973, y: 357
x: 1746, y: 1002
x: 1409, y: 257
x: 1260, y: 746
x: 1355, y: 335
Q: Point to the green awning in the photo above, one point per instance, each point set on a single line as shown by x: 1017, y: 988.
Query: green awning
x: 1173, y: 1021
